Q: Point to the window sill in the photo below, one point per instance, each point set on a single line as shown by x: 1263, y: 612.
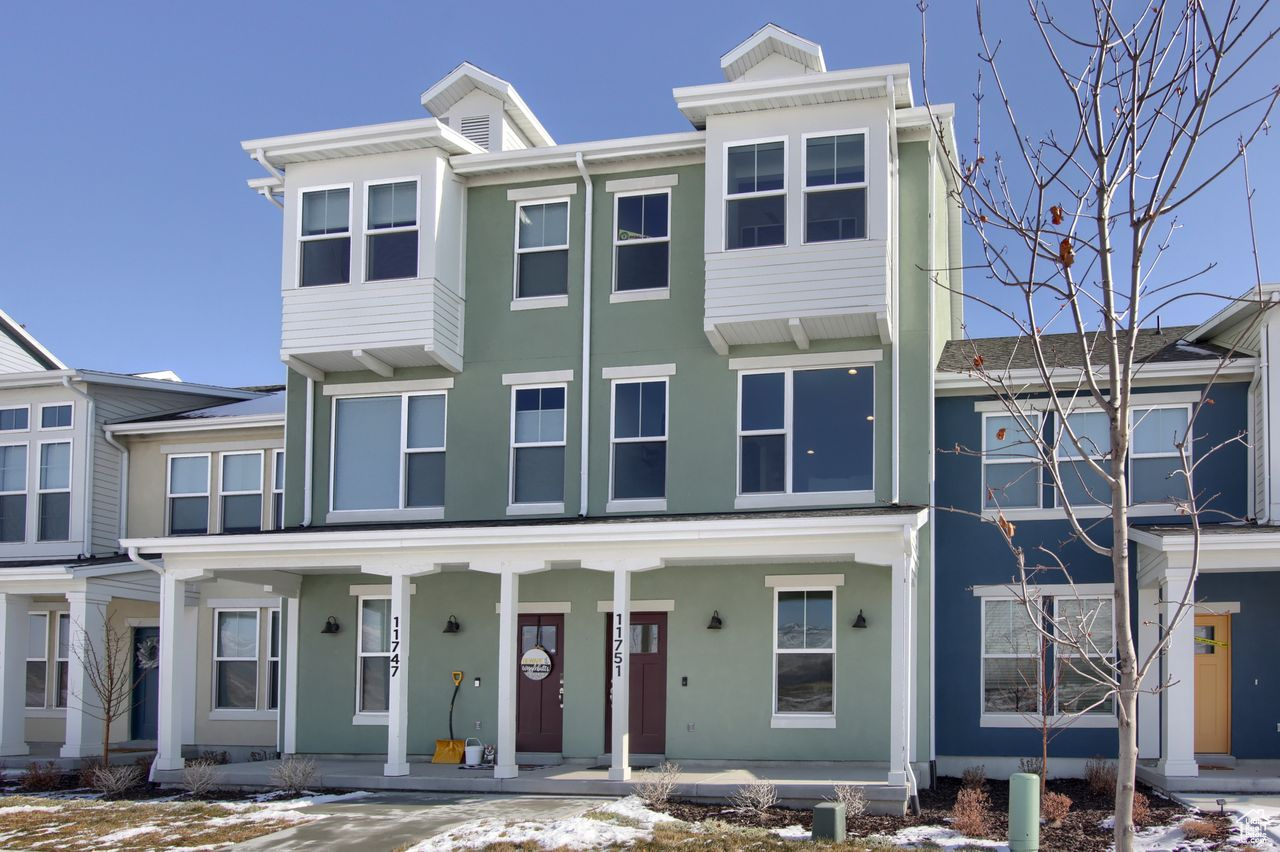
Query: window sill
x: 1056, y: 513
x: 226, y: 715
x: 371, y: 719
x: 655, y: 505
x: 817, y: 498
x: 45, y: 712
x: 1016, y: 720
x: 536, y: 509
x: 782, y: 720
x: 656, y: 294
x: 533, y: 303
x: 349, y: 516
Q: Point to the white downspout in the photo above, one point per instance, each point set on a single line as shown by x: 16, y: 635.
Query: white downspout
x: 894, y: 281
x: 308, y: 452
x: 124, y: 482
x: 584, y: 438
x: 134, y: 556
x: 933, y: 449
x: 91, y: 425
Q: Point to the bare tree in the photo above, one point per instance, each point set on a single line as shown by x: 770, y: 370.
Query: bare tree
x: 1073, y: 221
x: 110, y: 670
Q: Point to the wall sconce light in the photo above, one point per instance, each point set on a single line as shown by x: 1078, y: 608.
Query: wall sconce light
x: 716, y: 621
x: 452, y: 625
x: 331, y: 625
x: 861, y: 621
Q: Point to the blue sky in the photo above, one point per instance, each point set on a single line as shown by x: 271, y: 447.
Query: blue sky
x: 131, y: 242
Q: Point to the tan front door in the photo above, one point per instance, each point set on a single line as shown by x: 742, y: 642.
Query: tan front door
x: 1213, y: 684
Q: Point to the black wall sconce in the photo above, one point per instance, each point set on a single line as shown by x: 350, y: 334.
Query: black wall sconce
x: 716, y: 621
x: 452, y: 625
x: 331, y: 626
x: 861, y: 621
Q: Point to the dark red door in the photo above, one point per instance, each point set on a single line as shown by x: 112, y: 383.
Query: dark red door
x: 648, y: 683
x: 540, y: 703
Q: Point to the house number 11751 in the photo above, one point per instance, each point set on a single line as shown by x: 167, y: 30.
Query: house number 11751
x: 395, y: 646
x: 617, y: 645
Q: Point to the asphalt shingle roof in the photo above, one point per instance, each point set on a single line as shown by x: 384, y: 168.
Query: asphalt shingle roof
x: 1063, y: 350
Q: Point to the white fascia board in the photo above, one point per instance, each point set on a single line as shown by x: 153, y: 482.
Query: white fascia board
x: 158, y: 427
x: 696, y: 102
x: 566, y: 155
x: 1186, y: 542
x: 1084, y: 590
x: 31, y: 380
x: 1025, y: 380
x: 1229, y: 313
x: 345, y: 141
x: 96, y: 377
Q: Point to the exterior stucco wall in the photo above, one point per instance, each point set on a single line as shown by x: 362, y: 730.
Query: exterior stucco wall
x: 216, y: 729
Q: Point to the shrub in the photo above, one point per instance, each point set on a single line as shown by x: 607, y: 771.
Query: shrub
x: 1032, y: 765
x: 1141, y: 810
x: 1202, y: 829
x: 853, y: 798
x: 200, y: 777
x: 1101, y: 776
x: 971, y: 815
x: 114, y: 781
x: 755, y: 798
x: 657, y: 784
x: 295, y: 774
x: 217, y: 758
x: 1054, y: 807
x: 257, y: 756
x: 974, y: 778
x: 40, y: 777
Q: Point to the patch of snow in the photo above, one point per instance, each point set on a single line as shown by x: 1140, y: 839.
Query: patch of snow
x: 632, y: 807
x: 125, y: 834
x: 930, y: 836
x: 571, y: 833
x: 24, y: 809
x: 1108, y: 824
x: 793, y: 832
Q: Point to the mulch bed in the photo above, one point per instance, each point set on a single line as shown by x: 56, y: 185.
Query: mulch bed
x: 1079, y: 831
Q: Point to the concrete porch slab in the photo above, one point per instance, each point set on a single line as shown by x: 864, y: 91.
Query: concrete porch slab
x: 1247, y: 776
x: 121, y: 754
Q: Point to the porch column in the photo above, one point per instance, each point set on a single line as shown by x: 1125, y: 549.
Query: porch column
x: 289, y: 689
x: 177, y: 645
x: 13, y: 674
x: 1178, y: 719
x: 620, y: 674
x: 1149, y: 699
x: 899, y: 670
x: 508, y: 619
x: 87, y: 635
x: 398, y: 705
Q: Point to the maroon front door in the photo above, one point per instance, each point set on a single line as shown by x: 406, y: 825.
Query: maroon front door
x: 648, y: 712
x: 540, y: 703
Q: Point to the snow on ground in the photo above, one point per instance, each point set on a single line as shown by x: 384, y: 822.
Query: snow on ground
x: 126, y: 834
x: 930, y: 836
x: 580, y: 832
x: 20, y: 809
x: 793, y: 832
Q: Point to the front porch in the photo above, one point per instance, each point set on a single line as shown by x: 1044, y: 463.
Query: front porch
x: 1242, y: 776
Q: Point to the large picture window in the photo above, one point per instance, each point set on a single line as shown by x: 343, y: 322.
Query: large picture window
x: 542, y: 249
x: 755, y: 209
x: 639, y: 439
x: 373, y: 672
x: 324, y: 237
x: 55, y: 491
x: 538, y: 444
x: 13, y: 493
x: 835, y: 188
x: 241, y: 492
x: 1011, y: 659
x: 804, y: 651
x: 188, y: 495
x: 235, y: 659
x: 391, y: 231
x: 389, y: 452
x: 642, y: 241
x: 277, y: 489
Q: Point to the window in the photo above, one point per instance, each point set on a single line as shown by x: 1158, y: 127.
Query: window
x: 542, y: 249
x: 806, y: 431
x: 235, y: 659
x: 804, y: 651
x: 755, y: 210
x: 273, y: 660
x: 188, y: 495
x: 1082, y: 485
x: 1155, y: 465
x: 56, y: 416
x: 1086, y: 622
x: 241, y: 492
x: 62, y: 657
x: 13, y: 493
x: 15, y: 419
x: 391, y: 233
x: 835, y: 188
x: 55, y: 491
x: 277, y: 489
x: 640, y: 440
x: 373, y: 672
x: 1010, y: 461
x: 642, y: 241
x: 538, y: 444
x: 389, y: 452
x: 1011, y: 670
x: 37, y: 653
x: 325, y: 237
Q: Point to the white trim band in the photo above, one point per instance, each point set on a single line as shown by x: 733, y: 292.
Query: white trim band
x: 532, y: 193
x: 856, y: 358
x: 640, y: 606
x: 639, y: 183
x: 641, y: 371
x: 374, y: 590
x: 1084, y: 403
x: 241, y: 603
x: 547, y: 377
x: 802, y: 581
x: 537, y: 608
x: 407, y: 386
x: 1084, y: 590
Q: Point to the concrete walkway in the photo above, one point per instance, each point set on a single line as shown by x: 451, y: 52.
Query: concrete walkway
x: 389, y: 821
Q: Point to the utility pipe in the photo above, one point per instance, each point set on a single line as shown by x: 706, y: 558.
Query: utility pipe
x: 584, y: 437
x: 90, y: 426
x: 894, y: 283
x: 124, y: 481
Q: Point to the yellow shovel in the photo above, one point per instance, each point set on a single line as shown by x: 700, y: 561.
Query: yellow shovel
x: 451, y: 750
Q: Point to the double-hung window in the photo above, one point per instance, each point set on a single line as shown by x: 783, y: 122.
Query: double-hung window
x: 542, y: 249
x: 62, y: 657
x: 642, y: 241
x: 1084, y: 655
x: 241, y: 492
x: 538, y: 444
x: 56, y: 416
x: 273, y: 659
x: 389, y: 452
x: 324, y: 237
x: 277, y: 489
x: 235, y: 659
x: 639, y: 439
x: 835, y: 188
x: 391, y: 230
x: 1011, y: 657
x: 1087, y: 436
x: 16, y: 419
x: 1155, y: 464
x: 755, y: 207
x: 13, y: 493
x: 806, y: 431
x: 1011, y: 460
x: 373, y: 670
x: 55, y: 491
x: 37, y: 658
x: 804, y: 652
x: 188, y: 495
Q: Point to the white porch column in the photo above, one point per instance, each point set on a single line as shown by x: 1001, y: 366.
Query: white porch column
x: 398, y: 706
x: 508, y: 619
x: 84, y: 707
x: 289, y: 689
x: 177, y: 650
x: 13, y: 674
x: 620, y: 674
x: 899, y: 670
x: 1178, y: 719
x: 187, y: 674
x: 1149, y: 700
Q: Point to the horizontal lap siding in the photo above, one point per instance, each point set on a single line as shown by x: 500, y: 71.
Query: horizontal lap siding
x: 14, y: 359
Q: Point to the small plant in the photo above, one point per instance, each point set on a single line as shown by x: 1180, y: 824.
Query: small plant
x: 1054, y: 807
x: 1100, y: 775
x: 200, y: 777
x: 658, y: 783
x: 259, y: 755
x: 113, y: 781
x: 84, y: 775
x: 1141, y: 810
x: 1202, y: 829
x: 971, y: 815
x: 40, y: 777
x: 295, y: 774
x: 1031, y: 765
x: 974, y: 778
x: 853, y: 798
x: 217, y: 758
x: 755, y: 798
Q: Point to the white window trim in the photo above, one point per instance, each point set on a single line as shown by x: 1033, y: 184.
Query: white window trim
x: 366, y: 231
x: 641, y: 183
x: 299, y: 239
x: 789, y: 497
x: 256, y: 659
x: 726, y: 196
x: 41, y: 491
x: 277, y: 488
x: 169, y: 494
x: 25, y: 492
x: 58, y: 659
x: 514, y: 508
x: 1038, y: 418
x: 806, y: 189
x: 804, y: 720
x: 25, y: 407
x: 403, y: 511
x: 40, y: 424
x: 614, y: 440
x: 275, y: 632
x: 656, y: 295
x: 41, y: 657
x: 540, y: 301
x: 617, y: 243
x: 361, y: 654
x: 223, y: 493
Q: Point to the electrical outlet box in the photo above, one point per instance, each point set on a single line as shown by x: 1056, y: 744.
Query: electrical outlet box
x: 690, y: 727
x: 477, y: 725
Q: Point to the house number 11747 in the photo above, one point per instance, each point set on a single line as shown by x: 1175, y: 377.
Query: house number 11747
x: 395, y: 646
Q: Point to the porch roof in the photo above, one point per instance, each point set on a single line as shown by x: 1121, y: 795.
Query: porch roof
x: 1221, y: 547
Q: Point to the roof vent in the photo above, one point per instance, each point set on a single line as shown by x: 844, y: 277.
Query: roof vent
x: 476, y: 128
